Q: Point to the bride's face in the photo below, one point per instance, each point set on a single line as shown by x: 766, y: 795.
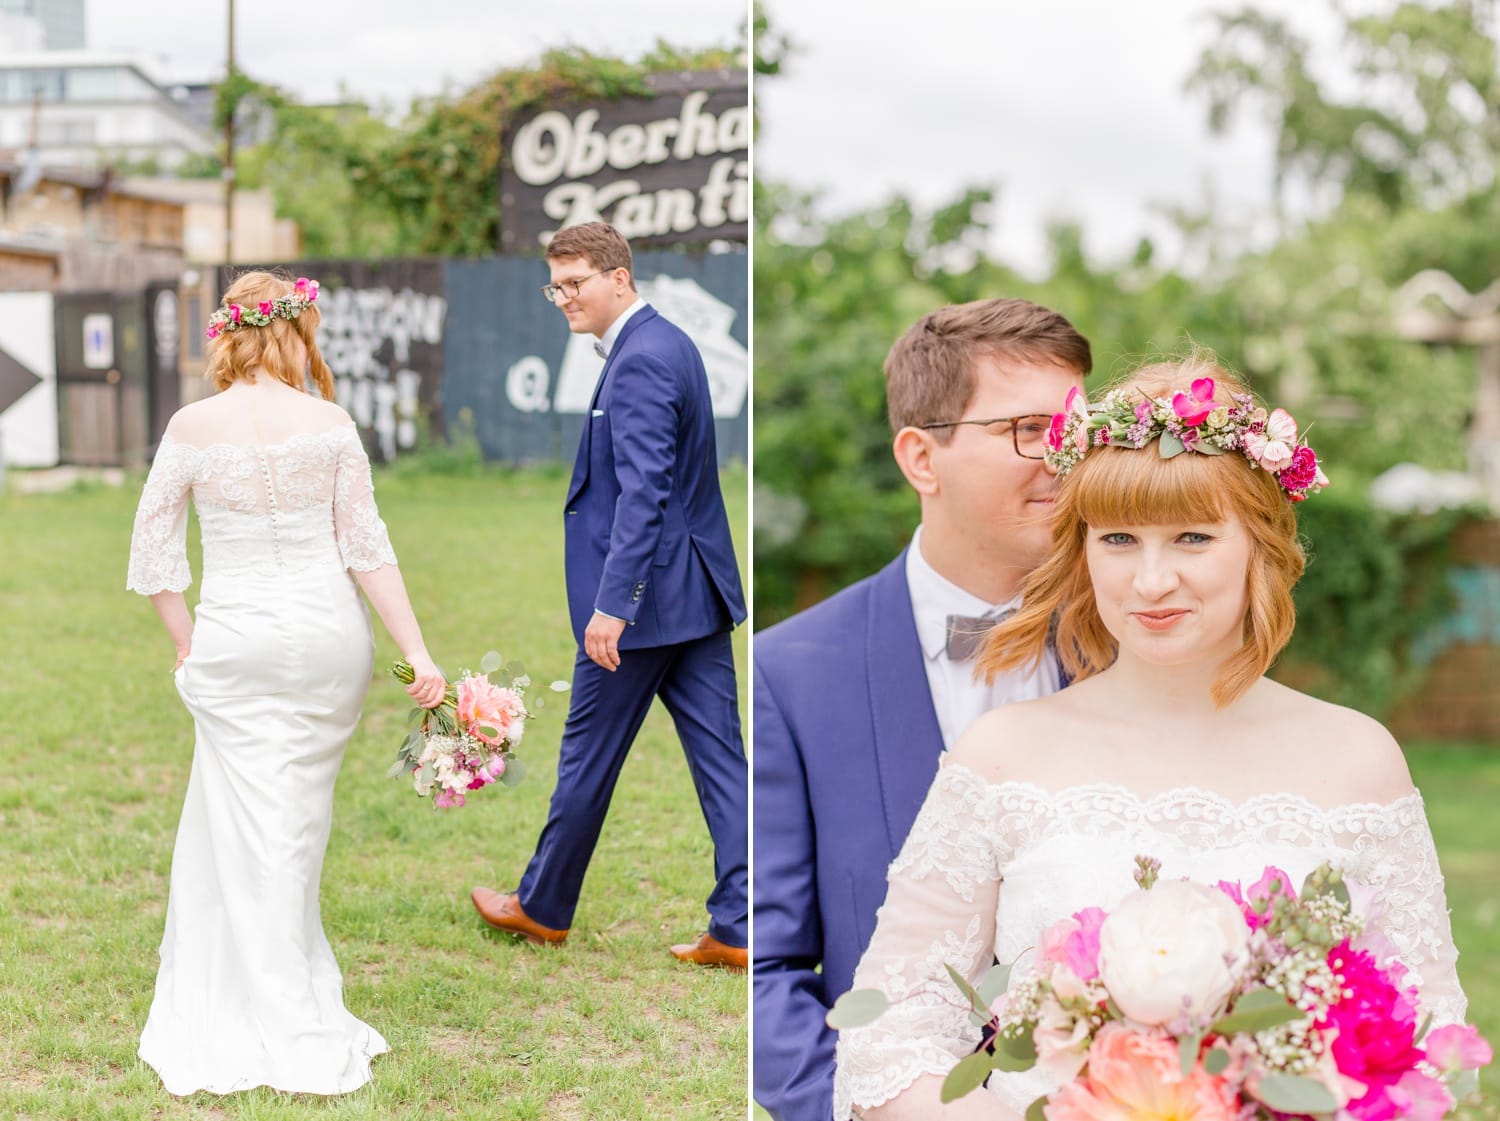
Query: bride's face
x: 1172, y: 594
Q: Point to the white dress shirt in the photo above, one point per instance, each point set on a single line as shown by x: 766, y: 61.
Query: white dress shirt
x: 606, y: 341
x: 956, y: 696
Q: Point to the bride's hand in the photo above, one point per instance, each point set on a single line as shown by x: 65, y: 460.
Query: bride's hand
x: 427, y: 686
x: 182, y: 655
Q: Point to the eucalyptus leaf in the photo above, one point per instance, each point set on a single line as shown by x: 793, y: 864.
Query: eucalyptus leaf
x: 560, y: 686
x: 1187, y: 1052
x: 966, y: 1077
x: 1036, y: 1111
x: 968, y: 990
x: 1294, y: 1093
x: 1203, y: 447
x: 1216, y: 1061
x: 514, y: 670
x: 427, y: 775
x: 993, y: 983
x: 1013, y: 1053
x: 1257, y: 1010
x: 490, y: 662
x: 515, y: 771
x: 488, y: 730
x: 396, y: 768
x: 416, y: 716
x: 1170, y: 445
x: 855, y: 1008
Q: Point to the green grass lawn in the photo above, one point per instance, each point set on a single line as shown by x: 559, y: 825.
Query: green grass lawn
x: 97, y: 748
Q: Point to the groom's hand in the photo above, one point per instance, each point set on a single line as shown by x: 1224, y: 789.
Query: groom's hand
x: 601, y: 641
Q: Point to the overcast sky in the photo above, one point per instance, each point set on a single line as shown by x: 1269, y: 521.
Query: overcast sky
x: 393, y: 49
x: 1067, y: 107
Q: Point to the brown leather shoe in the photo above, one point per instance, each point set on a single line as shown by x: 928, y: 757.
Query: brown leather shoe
x: 503, y: 912
x: 708, y: 950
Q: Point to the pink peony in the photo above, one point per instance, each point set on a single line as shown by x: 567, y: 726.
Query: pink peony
x: 1456, y: 1047
x: 1376, y: 1025
x: 487, y: 711
x: 307, y: 288
x: 1132, y: 1077
x: 1194, y: 407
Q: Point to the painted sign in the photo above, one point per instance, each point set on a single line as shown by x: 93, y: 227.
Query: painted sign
x: 672, y: 168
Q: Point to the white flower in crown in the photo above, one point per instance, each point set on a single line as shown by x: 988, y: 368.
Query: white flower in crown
x: 1273, y: 448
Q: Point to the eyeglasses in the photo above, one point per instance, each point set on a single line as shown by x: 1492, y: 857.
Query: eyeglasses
x: 1028, y: 434
x: 569, y: 288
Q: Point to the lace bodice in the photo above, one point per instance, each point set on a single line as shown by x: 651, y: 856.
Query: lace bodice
x: 988, y: 866
x: 270, y: 510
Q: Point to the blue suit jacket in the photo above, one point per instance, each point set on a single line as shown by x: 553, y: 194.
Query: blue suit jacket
x: 646, y: 535
x: 846, y: 745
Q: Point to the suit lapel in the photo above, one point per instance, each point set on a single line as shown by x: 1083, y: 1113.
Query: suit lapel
x: 586, y: 439
x: 908, y: 741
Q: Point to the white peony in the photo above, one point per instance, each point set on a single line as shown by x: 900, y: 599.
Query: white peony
x: 1176, y: 949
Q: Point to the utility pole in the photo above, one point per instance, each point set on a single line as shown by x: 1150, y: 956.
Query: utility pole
x: 229, y: 78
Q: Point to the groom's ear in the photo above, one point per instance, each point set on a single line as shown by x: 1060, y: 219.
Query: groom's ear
x: 913, y: 448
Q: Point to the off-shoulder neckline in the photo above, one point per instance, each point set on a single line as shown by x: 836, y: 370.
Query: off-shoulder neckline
x: 1177, y: 793
x: 321, y: 434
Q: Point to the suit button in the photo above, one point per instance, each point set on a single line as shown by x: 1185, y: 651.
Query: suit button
x: 572, y: 513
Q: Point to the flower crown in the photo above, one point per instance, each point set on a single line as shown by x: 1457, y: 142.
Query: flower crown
x: 1188, y: 422
x: 234, y: 316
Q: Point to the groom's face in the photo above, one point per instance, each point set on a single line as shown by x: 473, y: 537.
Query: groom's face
x: 989, y: 491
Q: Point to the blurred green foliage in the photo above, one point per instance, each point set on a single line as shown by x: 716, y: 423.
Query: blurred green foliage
x: 1404, y: 156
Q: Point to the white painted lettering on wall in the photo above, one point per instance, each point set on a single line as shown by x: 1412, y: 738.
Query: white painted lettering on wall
x: 526, y: 385
x: 366, y: 337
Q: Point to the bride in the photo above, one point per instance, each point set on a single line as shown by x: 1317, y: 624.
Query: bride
x: 274, y: 668
x: 1170, y: 592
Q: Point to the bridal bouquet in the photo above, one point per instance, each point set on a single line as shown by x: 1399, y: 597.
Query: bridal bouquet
x: 1216, y: 1003
x: 468, y: 741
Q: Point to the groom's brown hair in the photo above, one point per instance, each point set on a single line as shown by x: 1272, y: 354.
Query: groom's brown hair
x: 599, y: 243
x: 930, y: 371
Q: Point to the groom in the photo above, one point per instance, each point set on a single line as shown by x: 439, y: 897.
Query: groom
x: 653, y: 591
x: 856, y: 698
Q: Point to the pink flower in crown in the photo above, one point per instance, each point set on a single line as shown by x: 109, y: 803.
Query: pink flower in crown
x: 1456, y: 1047
x: 1302, y: 472
x: 306, y: 288
x: 1375, y: 1026
x: 213, y: 331
x: 234, y: 313
x: 266, y: 307
x: 1274, y: 448
x: 487, y: 711
x: 1193, y: 408
x: 1055, y: 431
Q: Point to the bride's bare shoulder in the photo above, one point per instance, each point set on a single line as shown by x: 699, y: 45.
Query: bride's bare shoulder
x: 996, y: 742
x: 1355, y: 751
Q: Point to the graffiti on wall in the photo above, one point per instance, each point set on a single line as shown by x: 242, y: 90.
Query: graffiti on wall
x: 707, y: 321
x: 368, y: 337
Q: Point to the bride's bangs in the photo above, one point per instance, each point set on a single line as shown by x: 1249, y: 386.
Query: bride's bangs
x: 1123, y: 486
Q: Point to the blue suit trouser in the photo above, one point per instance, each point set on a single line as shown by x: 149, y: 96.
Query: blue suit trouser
x: 695, y: 681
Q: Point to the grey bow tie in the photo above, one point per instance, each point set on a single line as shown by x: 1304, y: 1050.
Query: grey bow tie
x: 966, y: 633
x: 599, y: 348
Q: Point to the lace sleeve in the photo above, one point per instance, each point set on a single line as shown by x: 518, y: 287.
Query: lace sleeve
x: 1399, y: 860
x: 158, y: 544
x: 363, y: 541
x: 939, y: 910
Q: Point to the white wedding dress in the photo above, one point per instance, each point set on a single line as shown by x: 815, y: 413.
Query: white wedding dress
x: 249, y: 993
x: 988, y: 866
